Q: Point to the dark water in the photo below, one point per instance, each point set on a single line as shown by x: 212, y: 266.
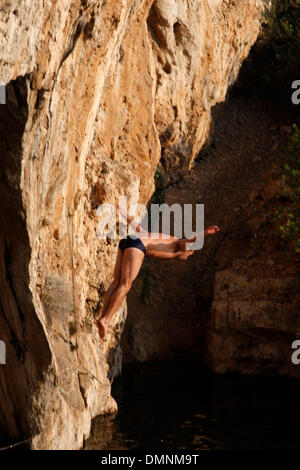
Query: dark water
x: 178, y: 405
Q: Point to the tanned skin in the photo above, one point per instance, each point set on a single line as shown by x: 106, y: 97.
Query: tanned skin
x: 129, y: 262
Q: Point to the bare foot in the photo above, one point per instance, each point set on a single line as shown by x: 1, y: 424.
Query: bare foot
x: 102, y: 328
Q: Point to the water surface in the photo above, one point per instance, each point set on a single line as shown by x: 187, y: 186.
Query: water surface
x: 179, y: 405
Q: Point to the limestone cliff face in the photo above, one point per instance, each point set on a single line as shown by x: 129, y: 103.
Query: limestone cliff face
x: 97, y: 92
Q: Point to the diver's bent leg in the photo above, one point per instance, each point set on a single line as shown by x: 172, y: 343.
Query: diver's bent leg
x: 131, y: 264
x: 113, y: 286
x: 114, y: 304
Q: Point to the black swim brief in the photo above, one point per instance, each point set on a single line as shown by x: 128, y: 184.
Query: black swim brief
x: 131, y: 241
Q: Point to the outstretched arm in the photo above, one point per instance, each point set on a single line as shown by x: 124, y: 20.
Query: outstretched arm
x: 183, y: 255
x: 209, y: 231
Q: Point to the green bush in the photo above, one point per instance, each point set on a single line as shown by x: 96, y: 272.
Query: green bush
x: 147, y: 284
x: 273, y: 63
x: 158, y: 197
x: 290, y: 214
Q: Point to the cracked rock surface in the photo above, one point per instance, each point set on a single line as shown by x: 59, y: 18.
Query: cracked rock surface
x: 97, y: 92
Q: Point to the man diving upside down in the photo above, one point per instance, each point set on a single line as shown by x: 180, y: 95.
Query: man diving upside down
x: 131, y: 253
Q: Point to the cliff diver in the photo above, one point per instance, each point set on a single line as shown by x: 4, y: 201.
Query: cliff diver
x: 131, y: 253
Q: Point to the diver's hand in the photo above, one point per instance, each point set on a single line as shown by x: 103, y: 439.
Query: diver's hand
x: 211, y: 230
x: 185, y: 254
